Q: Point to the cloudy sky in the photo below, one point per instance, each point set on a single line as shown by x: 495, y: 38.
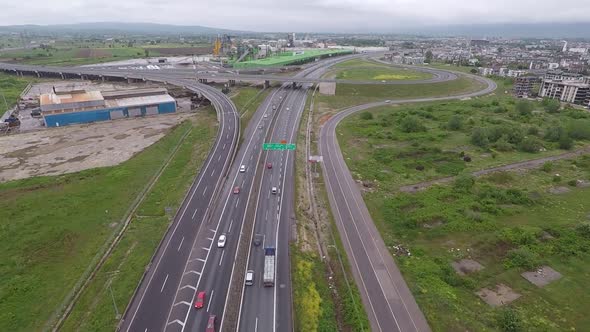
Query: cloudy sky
x: 295, y: 15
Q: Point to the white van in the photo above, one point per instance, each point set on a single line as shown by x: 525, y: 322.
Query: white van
x: 250, y: 278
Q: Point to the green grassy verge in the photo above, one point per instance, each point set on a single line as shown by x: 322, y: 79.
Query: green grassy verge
x: 122, y: 272
x: 355, y: 94
x: 340, y: 307
x: 247, y: 102
x: 73, y: 56
x: 400, y: 145
x: 61, y: 222
x: 11, y: 87
x: 366, y: 70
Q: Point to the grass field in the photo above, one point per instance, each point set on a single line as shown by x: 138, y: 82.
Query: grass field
x: 407, y: 144
x: 247, y: 102
x: 508, y: 222
x: 73, y: 56
x: 11, y: 87
x: 365, y: 70
x: 61, y: 222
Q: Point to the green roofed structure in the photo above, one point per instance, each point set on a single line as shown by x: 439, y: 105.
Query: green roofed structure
x: 291, y: 58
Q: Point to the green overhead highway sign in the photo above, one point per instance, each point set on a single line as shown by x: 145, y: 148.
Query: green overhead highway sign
x: 278, y: 146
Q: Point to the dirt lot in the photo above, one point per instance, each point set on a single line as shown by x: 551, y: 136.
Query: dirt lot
x: 75, y: 148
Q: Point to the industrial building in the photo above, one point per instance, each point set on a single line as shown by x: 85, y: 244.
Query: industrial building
x: 62, y: 108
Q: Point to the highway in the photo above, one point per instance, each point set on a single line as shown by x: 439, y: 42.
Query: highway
x: 188, y: 260
x: 389, y: 303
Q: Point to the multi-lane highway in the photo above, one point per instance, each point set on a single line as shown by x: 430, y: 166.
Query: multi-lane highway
x: 388, y: 301
x: 188, y: 259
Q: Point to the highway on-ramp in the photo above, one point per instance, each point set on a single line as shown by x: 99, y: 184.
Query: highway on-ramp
x: 386, y: 297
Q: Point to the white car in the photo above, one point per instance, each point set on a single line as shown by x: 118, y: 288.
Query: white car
x: 221, y: 241
x: 287, y: 108
x: 274, y: 190
x: 265, y: 115
x: 243, y: 169
x: 388, y: 101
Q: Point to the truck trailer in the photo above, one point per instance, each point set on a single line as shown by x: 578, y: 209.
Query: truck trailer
x: 269, y: 267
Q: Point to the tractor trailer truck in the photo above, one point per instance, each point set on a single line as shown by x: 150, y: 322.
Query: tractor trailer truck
x: 269, y: 267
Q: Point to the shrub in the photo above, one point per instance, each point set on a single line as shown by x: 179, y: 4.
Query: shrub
x: 479, y: 137
x: 464, y: 182
x: 503, y: 144
x: 500, y: 109
x: 566, y: 142
x: 579, y: 129
x: 411, y: 124
x: 572, y: 183
x: 522, y: 257
x: 366, y: 116
x: 530, y: 144
x: 455, y: 123
x: 554, y: 133
x: 547, y: 167
x: 584, y: 229
x: 524, y: 107
x: 495, y: 103
x: 509, y: 320
x: 533, y: 130
x: 467, y: 159
x: 556, y: 178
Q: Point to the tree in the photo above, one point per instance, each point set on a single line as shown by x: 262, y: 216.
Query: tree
x: 428, y: 57
x: 473, y: 71
x: 523, y: 107
x: 464, y: 182
x: 551, y: 105
x: 147, y: 52
x: 479, y: 137
x: 455, y: 123
x: 530, y: 144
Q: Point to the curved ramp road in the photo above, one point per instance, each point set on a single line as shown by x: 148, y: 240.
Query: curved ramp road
x: 388, y: 301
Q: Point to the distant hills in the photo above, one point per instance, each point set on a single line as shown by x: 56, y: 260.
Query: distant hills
x: 117, y: 28
x: 509, y: 30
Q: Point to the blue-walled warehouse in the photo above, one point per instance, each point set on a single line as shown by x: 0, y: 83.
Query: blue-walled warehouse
x: 64, y: 109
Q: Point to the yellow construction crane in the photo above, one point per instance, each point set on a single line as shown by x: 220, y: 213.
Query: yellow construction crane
x: 217, y: 46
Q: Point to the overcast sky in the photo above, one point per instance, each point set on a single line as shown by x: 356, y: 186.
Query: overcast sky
x: 295, y: 15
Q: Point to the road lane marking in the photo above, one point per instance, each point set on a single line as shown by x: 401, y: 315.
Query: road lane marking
x: 256, y: 325
x: 194, y: 213
x: 238, y: 201
x: 205, y: 190
x: 223, y: 146
x: 207, y: 249
x: 192, y: 271
x: 180, y: 245
x: 231, y: 222
x: 210, y: 239
x: 201, y: 260
x: 210, y: 300
x: 175, y: 321
x: 164, y: 284
x: 213, y: 171
x: 189, y: 287
x: 182, y: 302
x: 221, y: 260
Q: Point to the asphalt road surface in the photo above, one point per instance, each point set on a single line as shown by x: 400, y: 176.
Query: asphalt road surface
x: 388, y: 301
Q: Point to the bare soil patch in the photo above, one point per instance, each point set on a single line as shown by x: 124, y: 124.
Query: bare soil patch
x: 559, y: 190
x: 542, y: 276
x: 74, y: 148
x: 466, y: 266
x: 500, y: 296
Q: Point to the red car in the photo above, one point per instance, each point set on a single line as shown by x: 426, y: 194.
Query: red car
x: 236, y: 190
x: 211, y: 324
x: 200, y: 301
x: 269, y: 165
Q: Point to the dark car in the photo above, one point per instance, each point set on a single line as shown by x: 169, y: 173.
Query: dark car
x: 211, y: 324
x: 257, y: 239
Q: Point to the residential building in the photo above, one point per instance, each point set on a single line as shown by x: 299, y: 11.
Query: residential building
x: 523, y: 86
x: 569, y: 91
